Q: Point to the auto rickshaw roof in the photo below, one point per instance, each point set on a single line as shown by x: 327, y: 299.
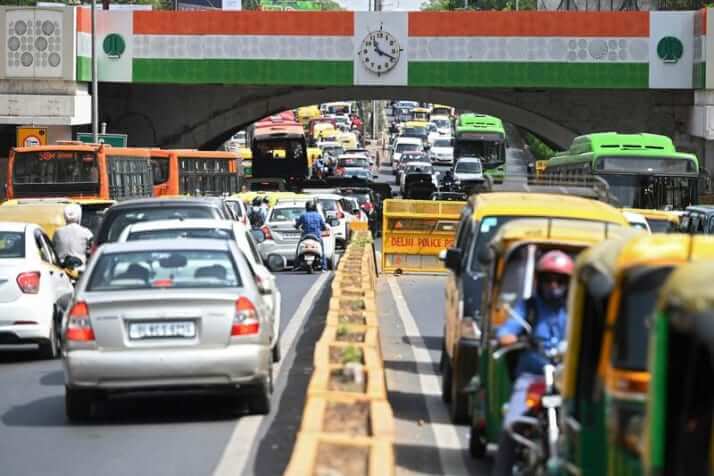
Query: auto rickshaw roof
x: 544, y: 205
x: 655, y: 214
x: 664, y: 249
x: 689, y: 290
x: 554, y: 230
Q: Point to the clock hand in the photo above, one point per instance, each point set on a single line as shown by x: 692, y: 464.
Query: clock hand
x: 383, y: 53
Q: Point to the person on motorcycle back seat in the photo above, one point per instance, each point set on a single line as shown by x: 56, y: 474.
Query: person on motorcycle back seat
x: 546, y: 313
x: 311, y: 223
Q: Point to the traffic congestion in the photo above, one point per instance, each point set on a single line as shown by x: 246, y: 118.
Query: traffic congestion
x: 160, y: 308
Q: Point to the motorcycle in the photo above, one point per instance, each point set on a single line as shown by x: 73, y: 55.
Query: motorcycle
x: 309, y: 254
x: 537, y: 433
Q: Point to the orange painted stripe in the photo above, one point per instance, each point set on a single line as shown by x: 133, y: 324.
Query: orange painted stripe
x: 700, y: 22
x: 84, y: 20
x: 244, y: 23
x: 577, y: 24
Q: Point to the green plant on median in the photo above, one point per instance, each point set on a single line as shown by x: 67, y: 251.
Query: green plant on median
x: 342, y: 331
x: 351, y: 354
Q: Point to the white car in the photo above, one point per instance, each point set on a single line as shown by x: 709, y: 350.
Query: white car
x: 363, y: 152
x: 443, y: 125
x: 468, y: 169
x: 353, y: 211
x: 199, y: 228
x: 239, y: 210
x: 404, y: 144
x: 35, y: 291
x: 281, y: 238
x: 410, y: 167
x: 637, y: 221
x: 442, y: 151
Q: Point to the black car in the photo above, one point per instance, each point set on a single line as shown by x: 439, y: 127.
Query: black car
x: 698, y: 219
x: 119, y: 216
x: 449, y: 196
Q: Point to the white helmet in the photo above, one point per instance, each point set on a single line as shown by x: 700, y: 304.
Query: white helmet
x: 72, y: 213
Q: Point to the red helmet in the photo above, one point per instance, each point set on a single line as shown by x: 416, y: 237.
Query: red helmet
x: 555, y: 262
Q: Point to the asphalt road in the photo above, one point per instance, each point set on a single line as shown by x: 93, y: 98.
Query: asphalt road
x: 167, y: 435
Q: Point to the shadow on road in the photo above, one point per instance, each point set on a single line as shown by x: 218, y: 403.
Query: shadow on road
x: 53, y: 379
x: 409, y: 366
x: 412, y: 407
x: 15, y: 357
x: 417, y: 458
x: 433, y: 343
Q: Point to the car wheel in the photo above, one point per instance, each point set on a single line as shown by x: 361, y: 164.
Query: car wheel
x: 261, y: 396
x: 49, y: 349
x: 458, y: 409
x: 477, y: 443
x: 276, y: 351
x: 446, y: 379
x: 78, y: 403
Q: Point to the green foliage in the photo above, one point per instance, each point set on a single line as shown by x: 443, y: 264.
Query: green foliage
x: 538, y: 148
x: 351, y: 354
x: 437, y: 5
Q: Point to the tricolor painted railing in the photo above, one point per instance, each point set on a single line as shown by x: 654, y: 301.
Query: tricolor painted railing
x: 615, y: 50
x: 347, y: 423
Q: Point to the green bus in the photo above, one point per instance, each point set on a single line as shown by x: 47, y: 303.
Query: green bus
x: 642, y: 170
x: 482, y: 136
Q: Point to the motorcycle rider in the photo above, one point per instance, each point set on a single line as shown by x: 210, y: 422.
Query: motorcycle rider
x: 73, y: 239
x: 448, y: 180
x: 256, y: 215
x: 311, y: 223
x: 546, y: 313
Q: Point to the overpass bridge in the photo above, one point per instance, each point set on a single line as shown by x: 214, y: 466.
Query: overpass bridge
x: 192, y: 78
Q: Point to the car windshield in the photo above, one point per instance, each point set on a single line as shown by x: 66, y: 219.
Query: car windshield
x: 468, y: 167
x: 286, y: 214
x: 442, y: 123
x: 164, y: 269
x: 414, y: 132
x: 660, y: 226
x: 175, y: 233
x: 442, y: 143
x: 356, y: 172
x: 405, y: 147
x: 419, y: 157
x: 12, y: 244
x: 487, y: 229
x: 328, y: 204
x: 639, y: 296
x: 362, y: 198
x: 423, y: 169
x: 124, y: 218
x: 333, y: 150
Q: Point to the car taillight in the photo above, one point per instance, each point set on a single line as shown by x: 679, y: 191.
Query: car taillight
x: 79, y: 327
x: 245, y: 321
x: 534, y: 393
x: 29, y: 282
x: 266, y: 231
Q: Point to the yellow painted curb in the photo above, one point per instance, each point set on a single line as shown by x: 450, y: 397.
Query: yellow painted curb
x: 319, y: 385
x: 370, y: 355
x: 370, y: 319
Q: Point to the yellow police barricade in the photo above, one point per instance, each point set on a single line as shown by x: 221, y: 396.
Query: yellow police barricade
x: 415, y: 231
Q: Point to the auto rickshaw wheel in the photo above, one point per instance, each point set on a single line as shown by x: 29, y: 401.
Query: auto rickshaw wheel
x: 446, y: 378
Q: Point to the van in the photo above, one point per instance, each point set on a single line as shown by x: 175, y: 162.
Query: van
x: 404, y: 144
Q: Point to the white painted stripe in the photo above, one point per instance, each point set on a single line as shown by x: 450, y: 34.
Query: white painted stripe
x: 338, y: 48
x: 237, y: 451
x: 84, y: 44
x: 529, y: 49
x: 452, y: 462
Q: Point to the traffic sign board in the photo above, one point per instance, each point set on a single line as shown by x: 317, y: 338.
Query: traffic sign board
x: 116, y: 140
x: 31, y: 136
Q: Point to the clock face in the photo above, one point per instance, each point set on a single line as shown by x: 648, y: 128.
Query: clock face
x: 379, y: 51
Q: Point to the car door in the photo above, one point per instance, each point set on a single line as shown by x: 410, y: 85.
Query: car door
x: 261, y: 273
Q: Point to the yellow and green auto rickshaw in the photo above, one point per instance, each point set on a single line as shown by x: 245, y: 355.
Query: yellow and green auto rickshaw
x: 605, y: 369
x: 509, y: 265
x: 679, y: 437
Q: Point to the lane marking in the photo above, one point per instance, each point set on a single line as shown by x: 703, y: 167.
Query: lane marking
x: 445, y: 434
x: 237, y: 452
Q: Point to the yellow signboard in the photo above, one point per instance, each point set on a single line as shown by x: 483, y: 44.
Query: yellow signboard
x: 31, y: 136
x: 415, y: 231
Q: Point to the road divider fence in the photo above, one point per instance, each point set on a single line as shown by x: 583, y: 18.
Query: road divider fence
x: 347, y: 424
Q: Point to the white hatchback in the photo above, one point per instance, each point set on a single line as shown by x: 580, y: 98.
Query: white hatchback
x: 34, y: 290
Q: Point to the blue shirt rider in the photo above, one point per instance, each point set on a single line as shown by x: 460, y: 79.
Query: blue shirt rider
x: 546, y: 313
x: 312, y: 223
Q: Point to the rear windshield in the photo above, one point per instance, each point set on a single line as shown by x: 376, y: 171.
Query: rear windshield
x: 404, y: 147
x: 661, y: 226
x: 235, y: 206
x: 442, y: 143
x: 92, y: 216
x: 164, y: 269
x: 634, y: 317
x: 333, y: 150
x: 328, y: 204
x: 121, y: 219
x: 468, y: 167
x: 183, y: 233
x: 12, y: 244
x: 286, y: 214
x: 353, y: 163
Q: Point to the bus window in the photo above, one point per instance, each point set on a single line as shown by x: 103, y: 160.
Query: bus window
x: 160, y: 169
x: 50, y: 172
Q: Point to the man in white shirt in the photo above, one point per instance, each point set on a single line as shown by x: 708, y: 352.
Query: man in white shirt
x: 72, y: 239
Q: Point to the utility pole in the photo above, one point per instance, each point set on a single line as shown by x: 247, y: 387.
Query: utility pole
x: 95, y: 88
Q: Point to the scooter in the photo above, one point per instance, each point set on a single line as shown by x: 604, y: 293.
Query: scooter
x: 309, y: 254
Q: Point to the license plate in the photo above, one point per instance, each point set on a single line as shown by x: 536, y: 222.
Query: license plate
x: 159, y: 330
x: 551, y: 401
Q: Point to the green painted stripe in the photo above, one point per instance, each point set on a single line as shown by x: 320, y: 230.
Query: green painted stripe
x: 501, y: 74
x: 262, y: 72
x: 699, y: 75
x: 84, y: 68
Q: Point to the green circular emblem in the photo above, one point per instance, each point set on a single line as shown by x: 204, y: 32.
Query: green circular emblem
x: 670, y: 49
x: 114, y: 45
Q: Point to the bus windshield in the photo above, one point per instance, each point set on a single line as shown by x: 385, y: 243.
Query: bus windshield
x: 489, y: 151
x: 647, y: 191
x: 52, y: 171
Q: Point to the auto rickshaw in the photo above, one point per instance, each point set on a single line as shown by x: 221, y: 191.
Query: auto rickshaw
x: 660, y: 221
x: 509, y: 264
x: 678, y: 437
x: 49, y: 212
x: 605, y: 370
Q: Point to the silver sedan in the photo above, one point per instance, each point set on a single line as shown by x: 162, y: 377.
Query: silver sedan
x: 167, y: 315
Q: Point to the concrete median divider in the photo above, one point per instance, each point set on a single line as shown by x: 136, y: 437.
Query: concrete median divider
x: 347, y: 424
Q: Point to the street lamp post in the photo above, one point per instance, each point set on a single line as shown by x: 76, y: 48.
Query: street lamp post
x: 95, y: 88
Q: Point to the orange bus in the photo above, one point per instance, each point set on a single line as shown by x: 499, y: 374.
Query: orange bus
x: 77, y: 170
x: 279, y: 149
x: 195, y: 172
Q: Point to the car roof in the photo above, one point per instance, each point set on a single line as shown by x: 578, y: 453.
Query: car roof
x: 160, y: 202
x: 409, y: 140
x: 544, y: 204
x: 468, y: 159
x: 166, y: 245
x: 701, y: 208
x: 188, y: 223
x: 13, y: 226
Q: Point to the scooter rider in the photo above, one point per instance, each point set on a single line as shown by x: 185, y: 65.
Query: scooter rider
x: 73, y: 239
x: 311, y: 223
x: 546, y: 313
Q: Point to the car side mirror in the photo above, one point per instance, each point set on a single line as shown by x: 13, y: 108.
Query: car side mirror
x: 334, y: 222
x: 71, y: 262
x: 452, y: 259
x: 258, y: 235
